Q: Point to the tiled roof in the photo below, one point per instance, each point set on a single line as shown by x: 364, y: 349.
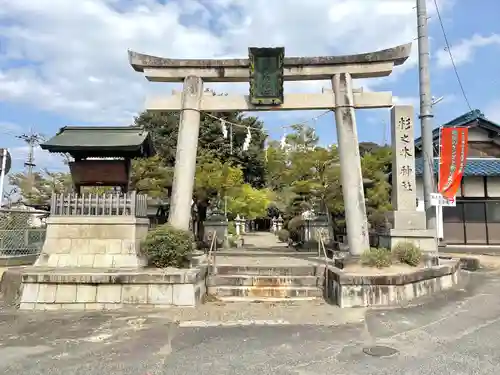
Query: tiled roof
x: 469, y: 120
x: 474, y: 167
x: 97, y: 140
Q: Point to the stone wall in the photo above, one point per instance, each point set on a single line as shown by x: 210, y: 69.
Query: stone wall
x: 56, y: 289
x: 354, y: 290
x: 93, y: 241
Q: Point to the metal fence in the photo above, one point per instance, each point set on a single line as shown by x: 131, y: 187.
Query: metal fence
x: 22, y: 232
x: 107, y: 204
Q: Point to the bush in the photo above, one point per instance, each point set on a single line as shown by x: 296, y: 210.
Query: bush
x: 283, y: 235
x: 231, y: 228
x: 408, y: 253
x: 295, y: 228
x: 376, y: 257
x: 166, y: 246
x: 232, y: 240
x: 378, y: 221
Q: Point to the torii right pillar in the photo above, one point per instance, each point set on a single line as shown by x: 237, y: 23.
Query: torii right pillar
x: 407, y: 224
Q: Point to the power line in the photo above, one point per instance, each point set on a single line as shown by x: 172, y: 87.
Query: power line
x: 448, y: 49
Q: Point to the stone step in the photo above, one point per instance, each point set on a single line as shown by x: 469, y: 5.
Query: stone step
x: 265, y: 299
x: 267, y: 270
x: 266, y: 253
x: 262, y: 281
x: 257, y: 293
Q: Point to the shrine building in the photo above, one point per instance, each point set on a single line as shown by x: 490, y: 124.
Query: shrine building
x: 475, y: 220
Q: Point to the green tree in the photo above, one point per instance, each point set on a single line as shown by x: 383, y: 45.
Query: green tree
x: 303, y: 137
x: 376, y: 165
x: 38, y: 190
x: 249, y: 202
x: 150, y: 176
x: 215, y: 178
x: 164, y: 131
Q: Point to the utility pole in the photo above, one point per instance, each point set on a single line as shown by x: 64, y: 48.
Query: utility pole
x: 32, y: 139
x: 426, y: 115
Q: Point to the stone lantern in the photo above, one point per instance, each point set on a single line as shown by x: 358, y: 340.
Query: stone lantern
x: 274, y: 225
x: 239, y: 224
x: 320, y: 225
x: 216, y: 222
x: 279, y: 223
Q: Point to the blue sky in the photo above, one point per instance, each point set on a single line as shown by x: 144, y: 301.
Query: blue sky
x: 64, y: 62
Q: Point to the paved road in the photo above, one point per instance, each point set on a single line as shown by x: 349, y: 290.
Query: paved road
x: 458, y: 333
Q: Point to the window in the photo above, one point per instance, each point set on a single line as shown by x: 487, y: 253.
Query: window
x: 474, y: 212
x: 493, y: 212
x: 454, y: 214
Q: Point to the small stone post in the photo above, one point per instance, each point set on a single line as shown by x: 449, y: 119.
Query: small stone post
x: 237, y: 224
x: 185, y: 160
x: 350, y: 165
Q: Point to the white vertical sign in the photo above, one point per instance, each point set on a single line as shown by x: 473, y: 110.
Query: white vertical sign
x: 2, y: 174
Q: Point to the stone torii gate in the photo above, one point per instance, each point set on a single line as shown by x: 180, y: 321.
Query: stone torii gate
x: 343, y: 99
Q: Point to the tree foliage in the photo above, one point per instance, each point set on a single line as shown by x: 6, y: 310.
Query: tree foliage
x: 248, y: 201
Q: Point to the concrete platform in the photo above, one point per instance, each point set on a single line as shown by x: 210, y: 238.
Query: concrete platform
x: 43, y: 288
x: 348, y: 289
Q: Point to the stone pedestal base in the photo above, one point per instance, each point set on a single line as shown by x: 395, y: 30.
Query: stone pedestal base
x: 405, y: 219
x: 82, y: 289
x: 93, y: 241
x: 423, y: 238
x: 385, y: 289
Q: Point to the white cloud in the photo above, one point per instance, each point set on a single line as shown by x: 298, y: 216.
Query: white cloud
x: 463, y: 52
x: 492, y: 111
x: 42, y: 159
x: 70, y: 57
x: 407, y: 100
x: 9, y: 128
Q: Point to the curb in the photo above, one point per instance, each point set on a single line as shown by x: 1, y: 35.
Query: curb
x: 466, y: 263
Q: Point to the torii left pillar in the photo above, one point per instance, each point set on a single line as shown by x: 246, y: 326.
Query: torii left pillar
x: 185, y: 158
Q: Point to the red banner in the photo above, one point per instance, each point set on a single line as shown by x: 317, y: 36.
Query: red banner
x: 453, y: 157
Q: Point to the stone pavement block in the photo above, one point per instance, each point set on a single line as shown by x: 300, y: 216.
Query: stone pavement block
x: 135, y: 294
x: 109, y: 293
x: 26, y: 306
x: 122, y: 260
x: 86, y: 293
x: 86, y: 260
x: 98, y: 246
x: 103, y: 260
x: 53, y: 260
x: 128, y: 247
x: 48, y: 306
x: 94, y: 306
x: 47, y: 293
x: 113, y: 306
x: 114, y: 246
x: 160, y: 294
x: 66, y: 293
x: 80, y: 246
x: 63, y: 260
x: 73, y: 306
x: 30, y: 293
x: 183, y: 295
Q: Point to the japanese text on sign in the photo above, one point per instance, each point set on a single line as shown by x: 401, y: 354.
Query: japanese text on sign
x: 405, y: 149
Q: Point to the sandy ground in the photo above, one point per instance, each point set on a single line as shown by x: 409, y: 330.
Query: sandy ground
x: 453, y: 332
